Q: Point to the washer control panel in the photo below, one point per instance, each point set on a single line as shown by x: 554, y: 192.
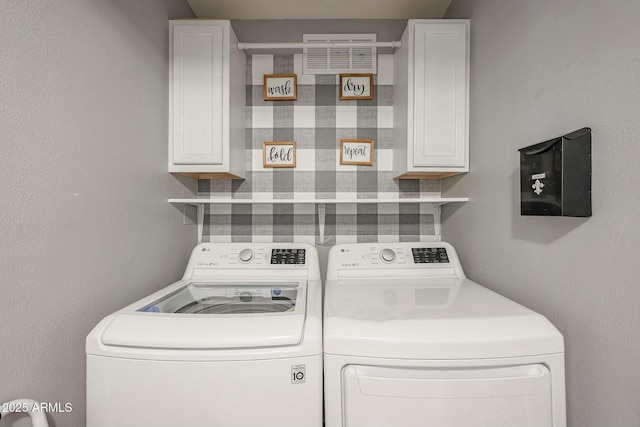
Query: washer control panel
x: 288, y: 256
x: 252, y: 255
x: 429, y: 255
x: 241, y: 261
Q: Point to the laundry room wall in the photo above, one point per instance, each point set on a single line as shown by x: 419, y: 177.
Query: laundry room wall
x: 317, y: 121
x: 85, y: 227
x: 540, y: 70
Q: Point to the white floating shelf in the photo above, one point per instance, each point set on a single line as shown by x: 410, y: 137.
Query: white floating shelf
x: 321, y: 205
x: 223, y: 201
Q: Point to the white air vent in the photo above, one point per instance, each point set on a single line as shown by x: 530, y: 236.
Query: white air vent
x: 336, y: 60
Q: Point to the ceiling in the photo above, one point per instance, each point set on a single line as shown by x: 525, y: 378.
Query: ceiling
x: 274, y: 21
x: 319, y: 9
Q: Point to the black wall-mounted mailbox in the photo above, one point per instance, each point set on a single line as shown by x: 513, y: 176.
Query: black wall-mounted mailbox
x: 555, y: 176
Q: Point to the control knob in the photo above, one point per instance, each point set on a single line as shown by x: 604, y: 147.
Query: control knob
x: 246, y: 255
x: 388, y: 255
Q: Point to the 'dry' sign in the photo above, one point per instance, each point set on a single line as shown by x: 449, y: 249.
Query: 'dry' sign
x: 356, y: 86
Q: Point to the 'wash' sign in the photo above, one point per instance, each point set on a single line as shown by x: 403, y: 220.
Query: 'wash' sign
x: 280, y: 87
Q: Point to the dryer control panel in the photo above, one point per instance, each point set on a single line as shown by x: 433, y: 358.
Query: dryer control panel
x: 375, y: 259
x: 392, y: 254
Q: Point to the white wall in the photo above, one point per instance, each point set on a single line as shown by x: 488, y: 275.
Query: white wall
x: 540, y: 69
x: 85, y: 227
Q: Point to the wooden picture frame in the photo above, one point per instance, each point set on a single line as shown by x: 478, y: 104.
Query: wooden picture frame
x: 356, y: 152
x: 280, y: 87
x: 279, y: 154
x: 356, y: 86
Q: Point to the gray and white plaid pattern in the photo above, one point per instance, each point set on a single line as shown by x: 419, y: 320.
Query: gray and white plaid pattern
x: 317, y: 121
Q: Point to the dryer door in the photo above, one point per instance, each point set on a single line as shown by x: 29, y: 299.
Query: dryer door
x: 483, y: 397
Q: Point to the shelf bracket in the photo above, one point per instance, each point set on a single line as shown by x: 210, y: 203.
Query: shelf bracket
x: 200, y: 215
x: 437, y: 226
x: 322, y: 211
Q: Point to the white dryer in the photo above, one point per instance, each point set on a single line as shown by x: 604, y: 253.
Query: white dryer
x: 409, y: 341
x: 236, y: 343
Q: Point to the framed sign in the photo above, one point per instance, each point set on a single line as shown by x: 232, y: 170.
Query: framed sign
x: 356, y: 152
x: 279, y: 154
x: 356, y: 86
x: 280, y: 87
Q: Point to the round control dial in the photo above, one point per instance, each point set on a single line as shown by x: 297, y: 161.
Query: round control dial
x: 388, y: 255
x: 246, y: 255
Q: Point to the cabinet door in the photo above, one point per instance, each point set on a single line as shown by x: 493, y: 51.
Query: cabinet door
x: 441, y: 85
x: 198, y: 94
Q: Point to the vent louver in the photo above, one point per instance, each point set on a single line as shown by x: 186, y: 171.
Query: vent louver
x: 336, y: 60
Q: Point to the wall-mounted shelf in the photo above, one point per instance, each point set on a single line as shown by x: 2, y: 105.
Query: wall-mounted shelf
x: 328, y: 45
x: 253, y: 201
x: 321, y: 206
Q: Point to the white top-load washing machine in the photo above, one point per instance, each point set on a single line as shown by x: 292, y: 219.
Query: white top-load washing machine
x: 236, y: 343
x: 409, y: 341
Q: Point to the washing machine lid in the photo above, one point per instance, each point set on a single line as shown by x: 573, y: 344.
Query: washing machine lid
x: 447, y: 318
x: 206, y: 315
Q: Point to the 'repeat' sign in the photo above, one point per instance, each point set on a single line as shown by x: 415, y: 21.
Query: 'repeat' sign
x: 280, y: 87
x: 356, y: 152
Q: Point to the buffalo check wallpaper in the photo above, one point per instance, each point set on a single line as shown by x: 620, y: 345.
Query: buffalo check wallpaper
x: 317, y: 121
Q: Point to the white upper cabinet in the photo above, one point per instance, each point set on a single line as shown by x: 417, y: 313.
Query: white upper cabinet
x: 207, y: 100
x: 431, y: 99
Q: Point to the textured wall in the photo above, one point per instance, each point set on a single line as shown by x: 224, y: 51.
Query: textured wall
x: 317, y: 121
x: 539, y: 70
x: 85, y: 227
